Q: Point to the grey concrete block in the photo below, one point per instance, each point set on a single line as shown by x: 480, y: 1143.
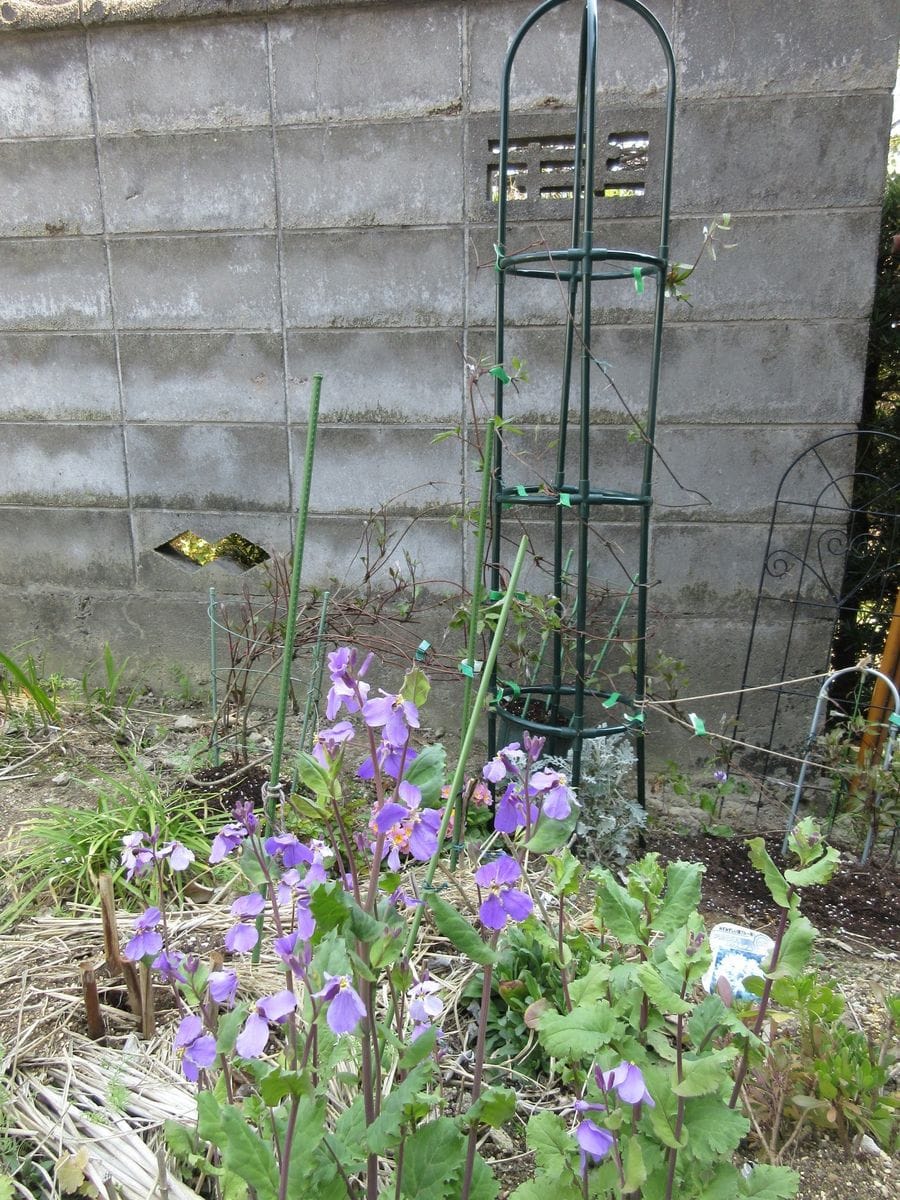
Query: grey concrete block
x: 530, y: 459
x: 400, y: 376
x: 217, y: 282
x: 164, y: 572
x: 335, y: 553
x: 700, y: 570
x: 64, y: 465
x: 65, y: 547
x: 50, y: 284
x: 44, y: 86
x: 389, y: 62
x: 202, y: 376
x: 59, y: 377
x: 546, y: 66
x: 204, y: 467
x: 807, y: 152
x: 360, y: 468
x: 167, y: 77
x: 374, y: 277
x: 396, y: 173
x: 742, y: 49
x: 731, y: 472
x: 196, y: 181
x: 48, y: 187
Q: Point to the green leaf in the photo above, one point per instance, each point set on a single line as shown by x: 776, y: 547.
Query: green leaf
x: 484, y: 1185
x: 775, y: 881
x: 554, y: 1148
x: 362, y: 924
x: 659, y: 993
x: 384, y: 1132
x: 6, y: 1187
x: 416, y: 686
x: 328, y: 904
x: 313, y: 775
x: 418, y: 1050
x: 578, y: 1034
x: 495, y: 1106
x: 433, y: 1160
x: 427, y: 773
x: 229, y: 1026
x: 663, y: 1125
x: 619, y: 912
x: 350, y: 1135
x: 245, y: 1153
x: 683, y: 880
x: 723, y: 1185
x: 704, y: 1075
x: 633, y: 1162
x: 566, y: 870
x: 550, y: 834
x: 816, y: 873
x: 715, y: 1128
x: 278, y: 1084
x: 456, y: 929
x: 592, y: 986
x: 796, y: 947
x: 770, y: 1183
x: 209, y: 1118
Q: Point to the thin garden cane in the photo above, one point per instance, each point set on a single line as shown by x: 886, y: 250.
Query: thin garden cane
x: 293, y: 599
x: 468, y: 666
x: 469, y: 736
x: 213, y: 682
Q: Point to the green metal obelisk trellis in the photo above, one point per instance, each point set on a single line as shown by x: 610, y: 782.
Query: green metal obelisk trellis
x: 579, y: 270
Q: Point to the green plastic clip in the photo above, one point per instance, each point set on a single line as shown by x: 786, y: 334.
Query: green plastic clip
x: 513, y: 687
x: 493, y: 594
x: 421, y: 650
x: 635, y: 719
x: 610, y: 700
x: 521, y: 489
x: 697, y: 722
x: 565, y: 500
x: 470, y: 670
x: 894, y: 719
x: 500, y: 372
x: 498, y: 254
x: 638, y: 274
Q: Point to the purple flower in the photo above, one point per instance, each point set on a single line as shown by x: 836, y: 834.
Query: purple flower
x: 223, y: 987
x: 391, y: 760
x: 505, y: 762
x: 345, y: 1007
x: 196, y: 1048
x: 180, y: 858
x: 424, y: 1006
x: 510, y: 814
x: 628, y: 1082
x: 136, y: 857
x: 171, y: 966
x: 294, y: 951
x: 593, y: 1142
x: 395, y: 714
x: 243, y: 936
x: 558, y: 796
x: 534, y: 746
x: 251, y: 1041
x: 146, y: 940
x: 226, y: 840
x: 347, y: 689
x: 504, y: 902
x: 328, y: 742
x: 720, y: 776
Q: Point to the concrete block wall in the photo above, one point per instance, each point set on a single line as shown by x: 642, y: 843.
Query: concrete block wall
x: 202, y: 203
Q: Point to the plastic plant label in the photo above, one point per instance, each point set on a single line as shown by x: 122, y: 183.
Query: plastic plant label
x: 737, y: 953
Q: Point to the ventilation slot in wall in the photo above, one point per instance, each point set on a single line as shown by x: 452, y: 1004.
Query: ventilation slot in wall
x: 542, y: 168
x: 191, y: 551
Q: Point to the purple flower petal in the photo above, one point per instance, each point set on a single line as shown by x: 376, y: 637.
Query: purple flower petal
x: 249, y: 906
x: 387, y: 816
x: 241, y: 938
x: 492, y: 913
x: 345, y: 1011
x: 251, y: 1041
x: 516, y: 904
x: 188, y: 1031
x: 277, y: 1007
x: 223, y: 987
x: 595, y: 1143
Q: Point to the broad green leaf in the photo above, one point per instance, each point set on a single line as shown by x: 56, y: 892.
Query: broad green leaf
x: 416, y: 686
x: 550, y: 834
x: 712, y: 1016
x: 246, y: 1154
x: 313, y: 775
x: 229, y: 1027
x: 723, y: 1185
x: 633, y: 1162
x: 554, y: 1148
x: 456, y: 929
x: 816, y: 873
x: 544, y: 1186
x: 578, y: 1034
x: 6, y: 1187
x: 715, y: 1128
x: 434, y: 1156
x: 566, y: 871
x: 350, y: 1135
x: 209, y: 1118
x: 770, y: 1183
x: 775, y: 881
x: 328, y: 904
x: 362, y: 924
x: 278, y: 1084
x: 704, y: 1075
x: 592, y: 986
x: 796, y: 947
x: 682, y: 896
x: 495, y: 1106
x: 663, y: 1125
x: 419, y: 1050
x: 384, y: 1132
x: 619, y: 912
x: 660, y: 994
x: 484, y: 1185
x: 427, y: 773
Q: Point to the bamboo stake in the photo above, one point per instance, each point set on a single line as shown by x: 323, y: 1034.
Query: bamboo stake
x: 96, y: 1027
x: 879, y: 709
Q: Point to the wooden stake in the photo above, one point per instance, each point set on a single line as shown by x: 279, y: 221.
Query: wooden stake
x: 110, y: 927
x: 96, y: 1027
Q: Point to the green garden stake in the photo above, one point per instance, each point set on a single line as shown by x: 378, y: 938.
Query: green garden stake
x: 315, y: 679
x: 213, y: 683
x: 293, y: 600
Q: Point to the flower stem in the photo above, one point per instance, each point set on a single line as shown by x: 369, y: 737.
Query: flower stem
x: 478, y: 1071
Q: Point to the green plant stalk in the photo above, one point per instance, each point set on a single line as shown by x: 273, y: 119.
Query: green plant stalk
x: 213, y: 682
x: 472, y: 639
x: 469, y: 736
x: 48, y: 709
x: 614, y: 628
x: 293, y: 599
x: 477, y: 1072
